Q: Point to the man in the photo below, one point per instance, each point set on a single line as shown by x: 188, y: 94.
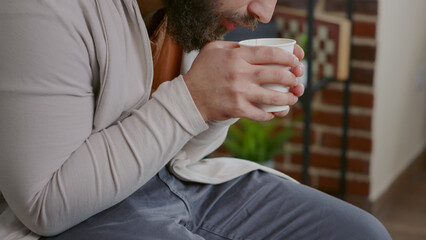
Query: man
x: 84, y: 148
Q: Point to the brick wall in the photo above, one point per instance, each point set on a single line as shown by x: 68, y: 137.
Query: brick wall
x: 327, y: 110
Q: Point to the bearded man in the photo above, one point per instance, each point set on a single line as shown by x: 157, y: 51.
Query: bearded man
x: 103, y: 136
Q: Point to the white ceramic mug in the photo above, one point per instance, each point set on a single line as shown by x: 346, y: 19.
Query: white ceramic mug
x: 283, y: 43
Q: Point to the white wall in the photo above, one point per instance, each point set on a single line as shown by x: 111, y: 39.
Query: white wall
x: 399, y: 115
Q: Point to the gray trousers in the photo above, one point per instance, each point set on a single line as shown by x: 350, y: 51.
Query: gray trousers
x: 255, y: 206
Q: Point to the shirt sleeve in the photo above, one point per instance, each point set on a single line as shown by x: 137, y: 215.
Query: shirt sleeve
x: 54, y: 171
x: 208, y: 141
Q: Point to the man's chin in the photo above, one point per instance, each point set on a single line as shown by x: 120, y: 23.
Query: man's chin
x: 198, y: 42
x: 194, y: 23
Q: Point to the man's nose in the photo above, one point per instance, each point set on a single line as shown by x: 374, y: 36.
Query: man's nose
x: 262, y: 9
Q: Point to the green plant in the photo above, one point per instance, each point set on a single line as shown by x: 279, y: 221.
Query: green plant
x: 302, y: 40
x: 257, y: 141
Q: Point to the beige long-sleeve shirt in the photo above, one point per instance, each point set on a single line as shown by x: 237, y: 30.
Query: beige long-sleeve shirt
x: 78, y: 132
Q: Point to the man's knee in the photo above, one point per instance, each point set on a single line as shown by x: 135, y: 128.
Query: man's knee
x: 373, y: 228
x: 353, y: 223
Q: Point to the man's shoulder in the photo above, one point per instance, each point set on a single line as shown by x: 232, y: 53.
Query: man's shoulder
x: 66, y: 11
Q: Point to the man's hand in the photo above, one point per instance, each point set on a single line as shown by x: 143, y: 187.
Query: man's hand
x: 225, y: 80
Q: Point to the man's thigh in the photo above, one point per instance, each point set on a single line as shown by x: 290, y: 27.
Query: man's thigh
x: 152, y: 212
x: 260, y: 205
x: 257, y: 205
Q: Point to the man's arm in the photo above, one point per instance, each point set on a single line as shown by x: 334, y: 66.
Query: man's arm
x: 54, y: 172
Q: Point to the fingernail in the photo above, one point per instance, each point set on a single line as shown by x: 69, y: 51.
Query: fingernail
x: 296, y: 60
x: 295, y: 99
x: 300, y: 67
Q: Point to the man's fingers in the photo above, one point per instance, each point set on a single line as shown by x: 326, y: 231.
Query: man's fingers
x: 298, y: 51
x: 254, y: 113
x: 282, y: 113
x: 299, y: 70
x: 274, y: 74
x: 297, y: 90
x: 262, y: 55
x: 265, y: 96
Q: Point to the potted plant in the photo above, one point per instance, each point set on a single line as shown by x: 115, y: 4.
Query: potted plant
x: 258, y: 141
x: 302, y: 40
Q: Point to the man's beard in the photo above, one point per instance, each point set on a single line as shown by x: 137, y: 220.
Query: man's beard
x: 194, y: 23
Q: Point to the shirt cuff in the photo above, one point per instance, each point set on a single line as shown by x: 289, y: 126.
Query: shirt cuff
x: 223, y: 123
x: 176, y: 98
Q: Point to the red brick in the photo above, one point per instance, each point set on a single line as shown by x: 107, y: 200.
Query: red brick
x: 360, y: 144
x: 354, y: 143
x: 335, y: 97
x: 294, y: 174
x: 362, y: 76
x: 359, y: 6
x: 332, y: 185
x: 331, y: 140
x: 298, y: 137
x: 364, y: 53
x: 364, y: 29
x: 328, y: 184
x: 329, y: 161
x: 297, y: 112
x: 319, y: 160
x: 357, y: 165
x: 334, y: 162
x: 325, y: 161
x: 280, y: 158
x: 297, y: 158
x: 361, y: 122
x: 358, y: 188
x: 329, y: 119
x: 315, y: 160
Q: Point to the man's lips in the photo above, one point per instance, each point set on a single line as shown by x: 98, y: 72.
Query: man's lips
x: 230, y: 25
